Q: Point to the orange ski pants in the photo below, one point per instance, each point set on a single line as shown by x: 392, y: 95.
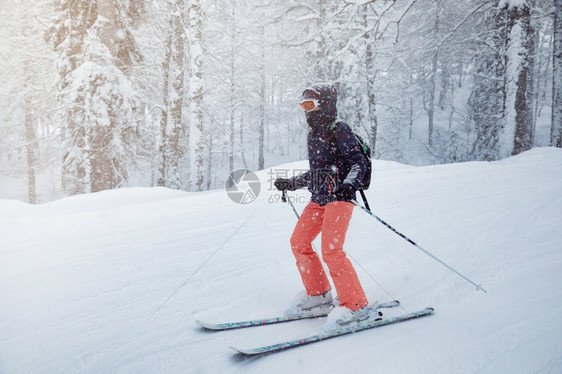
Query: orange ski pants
x: 332, y: 220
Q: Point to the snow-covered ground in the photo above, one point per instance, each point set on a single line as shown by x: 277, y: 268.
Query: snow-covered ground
x: 84, y: 280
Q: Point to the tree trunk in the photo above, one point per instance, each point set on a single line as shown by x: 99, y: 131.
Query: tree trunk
x: 232, y: 98
x: 370, y: 71
x: 319, y: 61
x: 196, y: 86
x: 75, y: 168
x: 523, y: 96
x: 432, y: 80
x: 176, y: 102
x: 261, y: 126
x: 31, y: 143
x: 163, y: 152
x: 556, y: 126
x: 486, y: 104
x: 32, y: 146
x: 171, y: 125
x: 102, y: 170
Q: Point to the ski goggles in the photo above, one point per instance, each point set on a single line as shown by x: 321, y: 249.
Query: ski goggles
x: 308, y: 105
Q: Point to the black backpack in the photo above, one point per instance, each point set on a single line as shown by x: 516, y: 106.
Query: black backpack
x: 366, y: 151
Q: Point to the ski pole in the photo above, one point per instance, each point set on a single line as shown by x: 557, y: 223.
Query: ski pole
x: 478, y: 286
x: 284, y: 199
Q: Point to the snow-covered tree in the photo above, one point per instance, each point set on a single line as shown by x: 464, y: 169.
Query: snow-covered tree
x: 232, y: 80
x: 487, y: 98
x: 97, y: 101
x: 218, y: 84
x: 518, y: 130
x: 26, y: 131
x: 174, y: 148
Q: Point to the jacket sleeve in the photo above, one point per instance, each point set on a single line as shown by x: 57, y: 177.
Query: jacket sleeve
x: 300, y: 181
x: 350, y: 150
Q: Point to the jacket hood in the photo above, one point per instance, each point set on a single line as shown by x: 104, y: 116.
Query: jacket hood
x: 327, y: 98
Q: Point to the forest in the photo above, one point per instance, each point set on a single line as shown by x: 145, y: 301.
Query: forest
x: 103, y: 94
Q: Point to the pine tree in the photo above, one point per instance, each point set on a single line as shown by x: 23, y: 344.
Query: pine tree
x: 97, y: 99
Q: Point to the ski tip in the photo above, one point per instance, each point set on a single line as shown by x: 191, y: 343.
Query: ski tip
x: 387, y: 304
x: 201, y: 323
x: 244, y: 352
x: 208, y: 326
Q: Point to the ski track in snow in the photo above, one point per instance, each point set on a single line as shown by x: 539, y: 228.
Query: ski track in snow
x: 82, y: 276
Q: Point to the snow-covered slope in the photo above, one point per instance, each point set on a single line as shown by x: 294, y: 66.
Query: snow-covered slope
x: 83, y: 280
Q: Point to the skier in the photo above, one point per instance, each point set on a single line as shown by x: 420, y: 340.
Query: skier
x: 337, y: 167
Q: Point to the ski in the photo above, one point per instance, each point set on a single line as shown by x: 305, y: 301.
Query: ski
x: 273, y: 320
x: 332, y: 334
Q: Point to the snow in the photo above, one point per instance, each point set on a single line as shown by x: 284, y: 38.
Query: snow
x: 112, y: 282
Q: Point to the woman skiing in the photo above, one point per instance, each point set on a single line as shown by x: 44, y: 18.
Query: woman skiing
x: 337, y: 168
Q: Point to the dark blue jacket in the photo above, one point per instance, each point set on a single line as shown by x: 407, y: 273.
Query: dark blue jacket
x: 333, y: 153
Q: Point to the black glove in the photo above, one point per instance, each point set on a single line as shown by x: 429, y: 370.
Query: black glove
x: 283, y: 184
x: 346, y: 191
